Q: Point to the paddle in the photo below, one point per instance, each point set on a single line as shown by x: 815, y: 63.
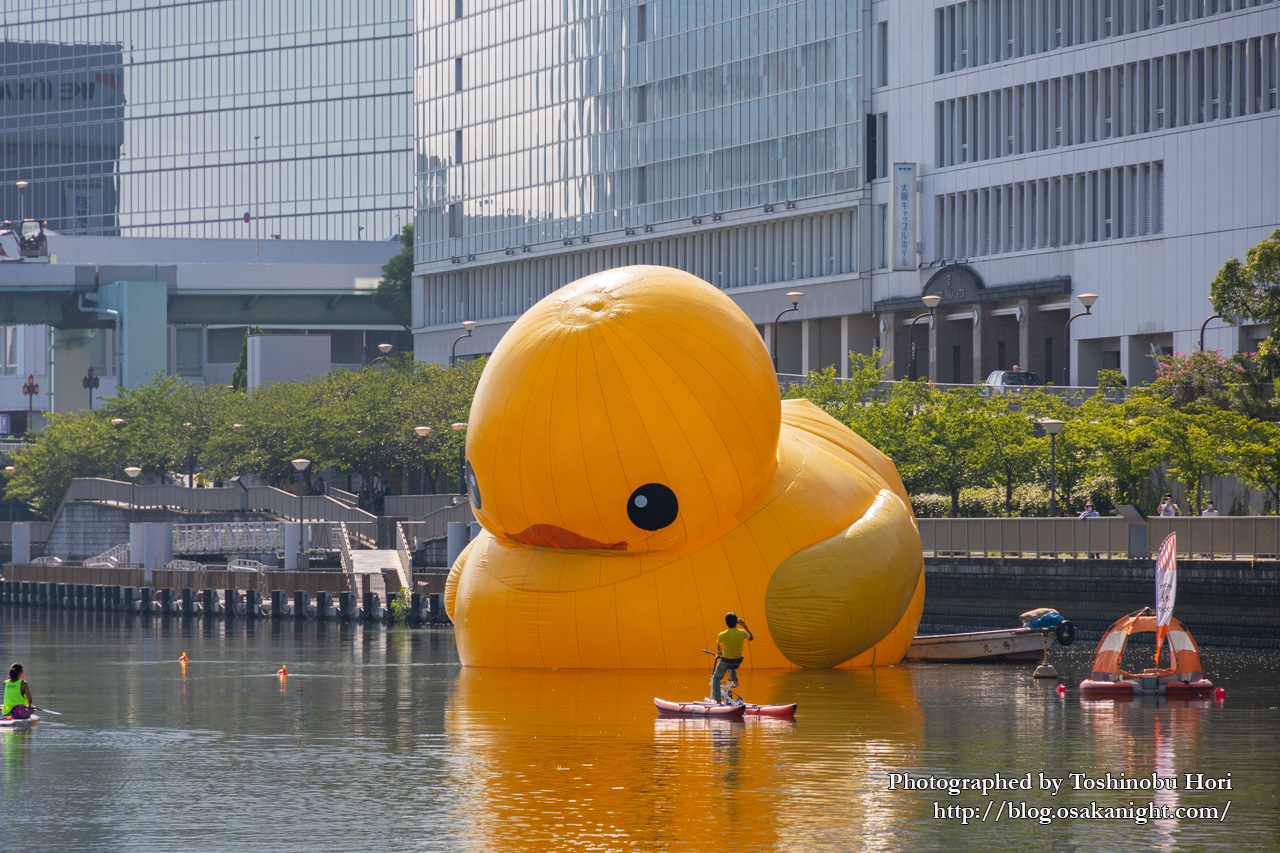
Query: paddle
x: 47, y: 711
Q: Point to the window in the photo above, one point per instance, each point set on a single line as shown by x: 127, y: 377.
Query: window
x: 9, y: 349
x: 882, y: 53
x: 189, y: 351
x: 882, y: 237
x: 457, y: 74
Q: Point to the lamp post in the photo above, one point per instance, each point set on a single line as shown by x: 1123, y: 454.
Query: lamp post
x: 300, y: 465
x: 1206, y: 323
x: 22, y: 202
x: 31, y: 388
x: 118, y: 423
x: 794, y: 296
x: 1053, y: 427
x: 462, y: 459
x: 1087, y: 300
x: 422, y: 432
x: 8, y: 473
x: 930, y: 302
x: 133, y: 471
x: 384, y: 349
x: 470, y: 326
x: 191, y: 454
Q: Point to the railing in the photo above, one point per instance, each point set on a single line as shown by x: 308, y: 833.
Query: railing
x: 110, y: 558
x: 405, y: 566
x: 237, y: 537
x: 1073, y: 393
x: 436, y: 524
x: 226, y: 499
x: 1229, y: 538
x: 343, y: 496
x: 39, y: 531
x: 414, y: 507
x: 348, y: 565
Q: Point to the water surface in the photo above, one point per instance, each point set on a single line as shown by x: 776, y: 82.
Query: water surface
x: 379, y: 739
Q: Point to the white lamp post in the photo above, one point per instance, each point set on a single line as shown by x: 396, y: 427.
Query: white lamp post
x: 1053, y: 427
x: 300, y: 465
x: 422, y: 432
x: 132, y: 472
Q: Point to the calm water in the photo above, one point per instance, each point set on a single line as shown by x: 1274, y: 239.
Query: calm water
x: 379, y: 740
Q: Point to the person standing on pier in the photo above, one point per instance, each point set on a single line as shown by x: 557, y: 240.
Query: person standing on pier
x: 17, y: 695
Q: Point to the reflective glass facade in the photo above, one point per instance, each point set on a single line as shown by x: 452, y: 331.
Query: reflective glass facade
x: 542, y: 122
x: 175, y: 118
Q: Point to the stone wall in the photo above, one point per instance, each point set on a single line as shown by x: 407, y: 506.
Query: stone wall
x: 1222, y: 603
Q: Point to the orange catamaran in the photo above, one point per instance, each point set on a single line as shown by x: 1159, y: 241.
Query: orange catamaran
x: 1182, y: 677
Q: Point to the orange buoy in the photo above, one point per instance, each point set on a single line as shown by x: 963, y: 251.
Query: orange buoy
x: 183, y: 658
x: 284, y: 670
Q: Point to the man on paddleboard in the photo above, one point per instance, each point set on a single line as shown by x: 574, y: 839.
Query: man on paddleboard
x: 729, y: 648
x: 17, y: 696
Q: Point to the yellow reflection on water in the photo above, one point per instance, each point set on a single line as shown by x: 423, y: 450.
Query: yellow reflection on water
x: 569, y: 759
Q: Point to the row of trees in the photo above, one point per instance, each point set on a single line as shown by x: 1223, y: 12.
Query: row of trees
x: 360, y: 423
x: 986, y: 455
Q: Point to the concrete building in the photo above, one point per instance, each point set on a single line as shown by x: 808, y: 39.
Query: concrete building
x: 1005, y: 155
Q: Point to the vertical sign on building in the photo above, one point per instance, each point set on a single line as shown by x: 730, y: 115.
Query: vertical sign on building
x: 903, y: 239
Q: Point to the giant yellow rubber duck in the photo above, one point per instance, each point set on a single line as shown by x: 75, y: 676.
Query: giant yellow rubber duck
x: 637, y: 475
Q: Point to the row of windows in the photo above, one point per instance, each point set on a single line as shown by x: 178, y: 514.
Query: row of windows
x: 1085, y: 207
x: 1210, y: 84
x: 544, y: 153
x: 671, y: 190
x: 762, y: 253
x: 980, y: 32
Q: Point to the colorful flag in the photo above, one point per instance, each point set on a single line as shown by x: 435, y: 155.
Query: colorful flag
x: 1166, y: 587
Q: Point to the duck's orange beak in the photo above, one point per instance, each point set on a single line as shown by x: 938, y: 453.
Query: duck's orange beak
x: 551, y: 536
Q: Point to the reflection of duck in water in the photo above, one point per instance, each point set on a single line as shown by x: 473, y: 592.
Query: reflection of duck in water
x: 637, y: 476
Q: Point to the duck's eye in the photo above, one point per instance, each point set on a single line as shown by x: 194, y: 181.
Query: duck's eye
x: 473, y: 486
x: 652, y: 506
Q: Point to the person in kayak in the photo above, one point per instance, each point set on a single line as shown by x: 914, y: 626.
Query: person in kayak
x: 729, y: 652
x: 17, y: 695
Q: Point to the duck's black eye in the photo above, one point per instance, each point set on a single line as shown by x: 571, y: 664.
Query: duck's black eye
x: 652, y: 506
x: 472, y: 486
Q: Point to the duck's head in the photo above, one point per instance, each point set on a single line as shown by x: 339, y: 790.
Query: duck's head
x: 633, y: 410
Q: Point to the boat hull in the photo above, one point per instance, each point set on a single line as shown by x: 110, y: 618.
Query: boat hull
x: 18, y: 724
x: 1005, y: 644
x: 699, y: 709
x: 1132, y: 687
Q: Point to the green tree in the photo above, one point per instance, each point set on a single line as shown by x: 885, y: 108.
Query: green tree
x: 951, y: 436
x: 240, y: 376
x: 69, y: 446
x: 394, y: 293
x: 1256, y: 459
x: 1193, y: 443
x: 1251, y: 290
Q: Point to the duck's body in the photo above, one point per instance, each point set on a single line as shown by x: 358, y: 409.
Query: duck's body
x: 775, y: 509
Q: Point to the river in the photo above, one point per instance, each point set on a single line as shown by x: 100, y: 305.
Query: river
x: 378, y: 739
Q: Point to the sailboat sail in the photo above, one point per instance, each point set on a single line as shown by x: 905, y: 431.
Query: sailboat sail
x: 1166, y: 588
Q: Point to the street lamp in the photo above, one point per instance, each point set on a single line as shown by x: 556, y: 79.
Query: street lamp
x: 300, y: 465
x: 1087, y: 300
x: 470, y: 326
x: 191, y: 454
x: 90, y: 382
x: 794, y: 297
x: 1206, y: 323
x: 422, y: 432
x: 384, y: 349
x: 22, y: 202
x: 930, y: 302
x: 133, y: 471
x: 118, y: 423
x: 462, y: 459
x: 8, y: 471
x: 1053, y: 427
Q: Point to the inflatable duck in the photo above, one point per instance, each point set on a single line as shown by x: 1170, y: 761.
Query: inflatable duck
x: 637, y: 475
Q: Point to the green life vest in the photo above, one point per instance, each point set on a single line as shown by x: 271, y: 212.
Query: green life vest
x: 13, y: 695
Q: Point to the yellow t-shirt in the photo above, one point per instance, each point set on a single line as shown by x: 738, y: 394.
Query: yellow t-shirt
x: 731, y: 640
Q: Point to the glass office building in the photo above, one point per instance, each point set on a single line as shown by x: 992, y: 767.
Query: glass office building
x: 541, y: 126
x: 179, y: 119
